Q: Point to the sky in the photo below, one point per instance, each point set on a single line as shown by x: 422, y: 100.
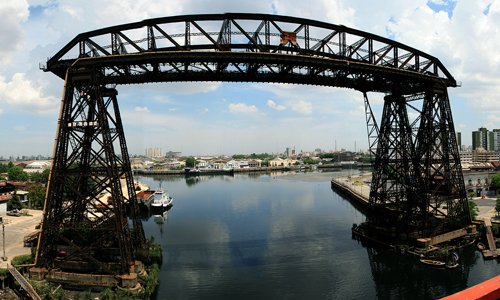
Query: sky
x: 216, y: 118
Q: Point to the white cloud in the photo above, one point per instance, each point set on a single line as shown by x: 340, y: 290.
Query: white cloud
x: 273, y: 105
x: 242, y: 108
x: 23, y: 94
x: 141, y: 109
x: 12, y: 14
x: 303, y: 107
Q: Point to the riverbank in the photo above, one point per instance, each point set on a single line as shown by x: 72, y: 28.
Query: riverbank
x: 357, y: 187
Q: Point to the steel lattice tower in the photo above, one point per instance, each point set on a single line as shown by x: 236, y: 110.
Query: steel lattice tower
x: 417, y: 183
x: 90, y: 183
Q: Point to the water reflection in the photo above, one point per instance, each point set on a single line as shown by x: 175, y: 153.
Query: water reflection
x: 283, y: 237
x: 403, y: 277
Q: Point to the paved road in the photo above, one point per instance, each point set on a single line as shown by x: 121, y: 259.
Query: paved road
x: 16, y: 228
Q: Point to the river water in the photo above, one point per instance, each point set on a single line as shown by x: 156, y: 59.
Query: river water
x: 284, y: 236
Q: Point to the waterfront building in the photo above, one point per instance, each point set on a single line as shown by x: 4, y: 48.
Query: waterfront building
x: 255, y: 163
x: 201, y: 164
x: 279, y: 162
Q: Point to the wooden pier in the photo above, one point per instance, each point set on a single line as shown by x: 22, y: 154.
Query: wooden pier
x: 492, y: 251
x: 25, y: 285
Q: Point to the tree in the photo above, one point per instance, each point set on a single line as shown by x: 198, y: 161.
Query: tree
x: 474, y: 211
x: 14, y: 203
x: 497, y: 206
x: 41, y: 177
x: 17, y: 173
x: 190, y: 162
x: 495, y: 182
x: 36, y: 195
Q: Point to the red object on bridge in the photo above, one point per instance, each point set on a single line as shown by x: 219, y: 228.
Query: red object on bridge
x: 486, y: 290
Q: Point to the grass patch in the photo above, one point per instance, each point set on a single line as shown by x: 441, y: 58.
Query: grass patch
x: 23, y: 260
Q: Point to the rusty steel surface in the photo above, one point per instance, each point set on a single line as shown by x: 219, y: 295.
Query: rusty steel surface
x: 417, y: 180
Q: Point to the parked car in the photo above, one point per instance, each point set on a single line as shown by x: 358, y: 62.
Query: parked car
x: 14, y: 213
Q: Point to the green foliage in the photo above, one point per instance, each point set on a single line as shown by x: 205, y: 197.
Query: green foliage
x: 36, y: 195
x: 239, y: 156
x: 155, y: 253
x: 107, y: 294
x: 4, y: 272
x: 152, y: 280
x: 327, y: 155
x: 495, y: 181
x: 40, y: 177
x: 17, y: 174
x: 4, y: 168
x: 309, y: 161
x: 14, y: 203
x: 495, y: 229
x: 58, y: 293
x: 497, y: 206
x: 87, y: 295
x: 42, y: 288
x: 23, y: 260
x: 190, y: 162
x: 474, y: 211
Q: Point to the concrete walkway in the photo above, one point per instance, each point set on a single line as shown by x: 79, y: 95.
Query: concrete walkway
x: 16, y: 228
x: 357, y: 184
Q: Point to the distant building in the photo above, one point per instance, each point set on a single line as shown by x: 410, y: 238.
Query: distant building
x: 279, y: 162
x: 466, y: 157
x: 5, y: 194
x: 153, y: 152
x: 37, y: 166
x: 482, y: 155
x: 480, y: 139
x: 459, y: 141
x: 172, y: 154
x: 255, y: 163
x: 494, y: 140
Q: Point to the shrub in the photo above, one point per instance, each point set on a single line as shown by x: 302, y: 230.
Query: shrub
x: 23, y: 260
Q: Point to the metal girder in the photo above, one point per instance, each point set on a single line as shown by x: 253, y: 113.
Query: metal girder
x: 212, y: 33
x: 417, y: 182
x: 85, y: 205
x: 416, y: 169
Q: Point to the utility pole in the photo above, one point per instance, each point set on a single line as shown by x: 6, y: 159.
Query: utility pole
x: 3, y: 235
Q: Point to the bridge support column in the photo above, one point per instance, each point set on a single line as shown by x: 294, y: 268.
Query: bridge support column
x: 417, y: 186
x: 85, y: 227
x: 393, y: 188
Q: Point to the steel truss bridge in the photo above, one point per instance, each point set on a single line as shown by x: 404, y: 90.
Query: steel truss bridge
x: 417, y: 182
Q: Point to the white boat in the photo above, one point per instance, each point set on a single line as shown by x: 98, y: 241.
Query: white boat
x: 161, y: 199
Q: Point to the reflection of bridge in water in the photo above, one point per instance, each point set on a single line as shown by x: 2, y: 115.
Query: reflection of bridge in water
x: 417, y: 165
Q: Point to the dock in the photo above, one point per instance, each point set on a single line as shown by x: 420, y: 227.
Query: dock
x: 25, y: 285
x: 355, y: 189
x: 492, y: 251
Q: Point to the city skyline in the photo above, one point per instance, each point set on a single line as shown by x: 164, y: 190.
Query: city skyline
x: 227, y: 118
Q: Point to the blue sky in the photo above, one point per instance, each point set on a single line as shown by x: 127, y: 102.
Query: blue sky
x: 226, y: 118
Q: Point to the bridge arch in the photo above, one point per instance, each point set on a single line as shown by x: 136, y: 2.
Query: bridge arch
x: 417, y: 180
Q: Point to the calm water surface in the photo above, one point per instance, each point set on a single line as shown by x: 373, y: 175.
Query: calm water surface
x: 284, y: 236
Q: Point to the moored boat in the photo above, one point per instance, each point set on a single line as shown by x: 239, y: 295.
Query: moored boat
x: 432, y: 262
x: 161, y: 199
